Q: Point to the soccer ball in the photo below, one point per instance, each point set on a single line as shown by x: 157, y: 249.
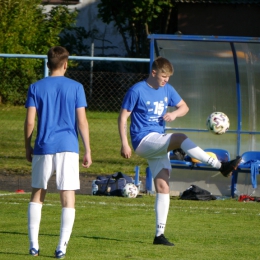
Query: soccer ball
x: 130, y: 190
x: 218, y: 123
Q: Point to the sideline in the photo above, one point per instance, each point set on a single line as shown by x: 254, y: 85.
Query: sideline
x: 12, y: 193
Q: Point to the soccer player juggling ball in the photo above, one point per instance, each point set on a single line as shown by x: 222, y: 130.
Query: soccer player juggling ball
x: 147, y: 102
x: 59, y: 104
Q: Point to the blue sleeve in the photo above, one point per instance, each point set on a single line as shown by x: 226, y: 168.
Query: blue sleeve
x: 30, y: 101
x: 130, y: 100
x: 81, y: 97
x: 174, y: 97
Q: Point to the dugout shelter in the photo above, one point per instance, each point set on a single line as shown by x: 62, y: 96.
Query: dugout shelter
x: 214, y: 73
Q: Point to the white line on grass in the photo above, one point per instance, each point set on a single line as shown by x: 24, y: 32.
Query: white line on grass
x: 12, y: 193
x: 234, y: 211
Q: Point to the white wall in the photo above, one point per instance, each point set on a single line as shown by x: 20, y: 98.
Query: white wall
x: 107, y: 34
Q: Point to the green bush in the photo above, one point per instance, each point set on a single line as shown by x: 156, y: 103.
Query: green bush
x: 27, y: 29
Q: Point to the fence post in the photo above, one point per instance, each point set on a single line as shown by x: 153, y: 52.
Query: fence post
x: 91, y: 69
x: 149, y: 181
x: 46, y: 69
x: 137, y: 170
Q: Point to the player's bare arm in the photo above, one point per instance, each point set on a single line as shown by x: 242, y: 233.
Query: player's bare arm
x: 84, y: 133
x: 126, y: 150
x: 28, y: 132
x: 182, y: 110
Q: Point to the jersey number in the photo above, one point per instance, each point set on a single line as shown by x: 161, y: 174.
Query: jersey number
x: 159, y: 108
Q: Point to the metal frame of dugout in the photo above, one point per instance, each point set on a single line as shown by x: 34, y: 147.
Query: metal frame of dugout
x: 214, y: 73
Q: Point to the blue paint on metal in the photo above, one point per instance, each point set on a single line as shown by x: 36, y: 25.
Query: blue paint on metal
x: 44, y: 57
x: 149, y: 180
x: 239, y: 113
x: 231, y: 40
x: 204, y: 130
x: 32, y: 56
x: 214, y: 38
x: 46, y: 69
x: 137, y: 172
x: 151, y: 53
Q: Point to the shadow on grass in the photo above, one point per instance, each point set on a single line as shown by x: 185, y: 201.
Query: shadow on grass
x: 27, y: 251
x: 13, y: 157
x: 57, y: 235
x: 26, y: 234
x: 112, y: 239
x: 16, y: 254
x: 13, y: 233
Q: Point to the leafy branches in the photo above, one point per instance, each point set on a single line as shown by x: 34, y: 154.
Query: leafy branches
x: 136, y: 19
x: 26, y: 28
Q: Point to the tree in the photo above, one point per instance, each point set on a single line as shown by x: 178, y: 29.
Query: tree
x: 26, y: 29
x: 136, y: 20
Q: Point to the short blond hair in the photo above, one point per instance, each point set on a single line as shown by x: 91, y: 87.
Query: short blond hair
x: 162, y: 65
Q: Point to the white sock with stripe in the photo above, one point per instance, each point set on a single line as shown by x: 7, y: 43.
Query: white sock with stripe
x: 196, y: 152
x: 67, y: 222
x: 162, y: 204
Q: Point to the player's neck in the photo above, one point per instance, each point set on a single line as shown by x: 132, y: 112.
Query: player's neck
x: 57, y: 73
x: 151, y: 84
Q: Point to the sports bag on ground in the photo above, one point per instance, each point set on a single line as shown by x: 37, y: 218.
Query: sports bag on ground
x: 196, y: 193
x: 112, y: 185
x: 177, y: 154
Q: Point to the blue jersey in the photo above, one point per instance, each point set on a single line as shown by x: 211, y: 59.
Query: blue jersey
x: 56, y: 100
x: 148, y: 106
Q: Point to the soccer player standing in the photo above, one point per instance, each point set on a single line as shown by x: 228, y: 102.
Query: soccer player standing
x: 59, y: 104
x: 147, y: 102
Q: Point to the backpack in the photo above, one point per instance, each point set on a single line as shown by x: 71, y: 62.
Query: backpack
x: 177, y: 154
x: 247, y: 198
x: 112, y: 185
x: 196, y: 193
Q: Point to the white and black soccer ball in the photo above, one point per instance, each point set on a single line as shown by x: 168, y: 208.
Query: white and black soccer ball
x: 218, y: 123
x: 130, y: 191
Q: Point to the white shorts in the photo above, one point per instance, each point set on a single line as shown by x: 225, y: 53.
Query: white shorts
x: 154, y: 148
x: 66, y: 166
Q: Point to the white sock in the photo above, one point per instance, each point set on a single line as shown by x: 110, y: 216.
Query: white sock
x: 162, y: 204
x: 196, y: 152
x: 34, y: 220
x: 67, y: 222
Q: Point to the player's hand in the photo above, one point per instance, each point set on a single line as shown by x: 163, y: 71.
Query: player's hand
x: 126, y: 152
x: 168, y: 117
x: 87, y: 161
x: 29, y: 154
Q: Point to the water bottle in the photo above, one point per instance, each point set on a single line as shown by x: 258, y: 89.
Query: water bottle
x: 94, y: 188
x: 140, y: 186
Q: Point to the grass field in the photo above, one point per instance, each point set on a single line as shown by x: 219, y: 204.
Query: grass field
x: 104, y: 138
x: 120, y: 228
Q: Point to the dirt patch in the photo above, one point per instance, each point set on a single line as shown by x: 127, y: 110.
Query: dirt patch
x: 13, y: 182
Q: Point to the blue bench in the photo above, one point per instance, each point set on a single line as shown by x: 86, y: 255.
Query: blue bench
x: 222, y: 155
x: 250, y: 158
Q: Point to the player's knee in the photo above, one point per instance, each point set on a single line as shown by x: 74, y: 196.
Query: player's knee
x: 162, y: 188
x: 176, y: 140
x: 161, y: 182
x: 180, y: 136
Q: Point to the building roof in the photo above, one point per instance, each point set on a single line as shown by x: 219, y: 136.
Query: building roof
x: 218, y: 1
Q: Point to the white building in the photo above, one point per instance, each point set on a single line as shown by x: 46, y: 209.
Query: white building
x: 108, y: 40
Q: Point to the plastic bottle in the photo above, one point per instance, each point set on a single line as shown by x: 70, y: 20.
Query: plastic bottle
x: 94, y: 188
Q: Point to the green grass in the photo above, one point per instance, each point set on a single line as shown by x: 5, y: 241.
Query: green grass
x: 104, y: 139
x: 119, y: 228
